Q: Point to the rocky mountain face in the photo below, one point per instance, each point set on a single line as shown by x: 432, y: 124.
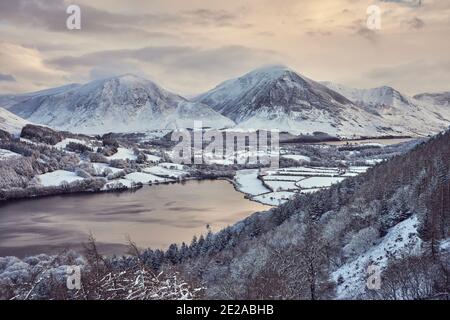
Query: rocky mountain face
x: 442, y: 98
x: 400, y: 112
x: 278, y: 98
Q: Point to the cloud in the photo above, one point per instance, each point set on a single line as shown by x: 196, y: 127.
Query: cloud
x: 191, y: 45
x: 7, y: 78
x: 319, y: 33
x: 431, y: 75
x: 211, y: 17
x: 27, y: 66
x: 367, y: 33
x: 412, y: 3
x: 173, y: 57
x: 181, y: 68
x: 51, y: 15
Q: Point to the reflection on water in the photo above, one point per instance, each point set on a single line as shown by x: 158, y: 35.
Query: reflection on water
x: 152, y: 217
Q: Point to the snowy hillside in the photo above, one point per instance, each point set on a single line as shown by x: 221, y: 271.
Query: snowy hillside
x: 276, y: 97
x: 120, y: 104
x: 9, y: 100
x: 402, y: 113
x: 442, y: 98
x: 10, y: 122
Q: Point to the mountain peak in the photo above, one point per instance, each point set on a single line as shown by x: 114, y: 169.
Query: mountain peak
x: 278, y: 97
x: 272, y: 68
x: 269, y: 72
x: 123, y: 78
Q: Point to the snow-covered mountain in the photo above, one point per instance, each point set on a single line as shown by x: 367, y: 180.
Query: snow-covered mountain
x: 441, y: 98
x: 276, y: 97
x: 377, y: 97
x: 120, y: 104
x: 400, y: 112
x: 10, y: 122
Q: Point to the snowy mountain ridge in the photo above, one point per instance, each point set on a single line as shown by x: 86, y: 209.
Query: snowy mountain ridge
x: 440, y: 98
x: 399, y: 111
x: 119, y: 104
x: 277, y: 97
x: 273, y: 97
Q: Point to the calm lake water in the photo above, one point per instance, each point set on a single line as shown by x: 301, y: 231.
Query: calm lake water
x: 154, y: 217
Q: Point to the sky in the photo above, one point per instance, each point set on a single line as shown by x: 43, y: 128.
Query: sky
x: 190, y: 46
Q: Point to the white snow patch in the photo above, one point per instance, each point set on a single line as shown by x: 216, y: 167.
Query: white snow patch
x: 318, y: 182
x: 274, y: 198
x: 277, y: 185
x: 6, y: 154
x: 402, y: 238
x: 152, y: 158
x: 100, y: 168
x: 145, y: 178
x: 57, y: 177
x: 296, y: 157
x: 247, y: 182
x: 123, y: 154
x: 63, y: 144
x: 169, y: 165
x: 164, y: 172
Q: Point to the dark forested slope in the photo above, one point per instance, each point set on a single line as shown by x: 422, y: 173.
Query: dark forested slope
x: 313, y: 246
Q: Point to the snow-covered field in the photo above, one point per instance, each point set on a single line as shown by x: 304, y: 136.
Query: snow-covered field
x: 152, y: 158
x: 6, y: 154
x: 247, y: 182
x: 100, y: 168
x: 163, y: 171
x: 274, y: 198
x: 318, y: 182
x: 145, y: 178
x: 277, y: 185
x: 240, y: 157
x: 296, y: 157
x: 281, y: 184
x: 123, y: 154
x: 57, y: 177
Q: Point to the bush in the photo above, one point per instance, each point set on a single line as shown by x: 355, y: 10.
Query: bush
x: 81, y: 173
x: 41, y: 134
x: 78, y: 147
x: 5, y: 135
x: 98, y: 157
x: 361, y: 241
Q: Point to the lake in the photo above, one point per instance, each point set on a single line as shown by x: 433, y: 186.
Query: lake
x: 153, y: 217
